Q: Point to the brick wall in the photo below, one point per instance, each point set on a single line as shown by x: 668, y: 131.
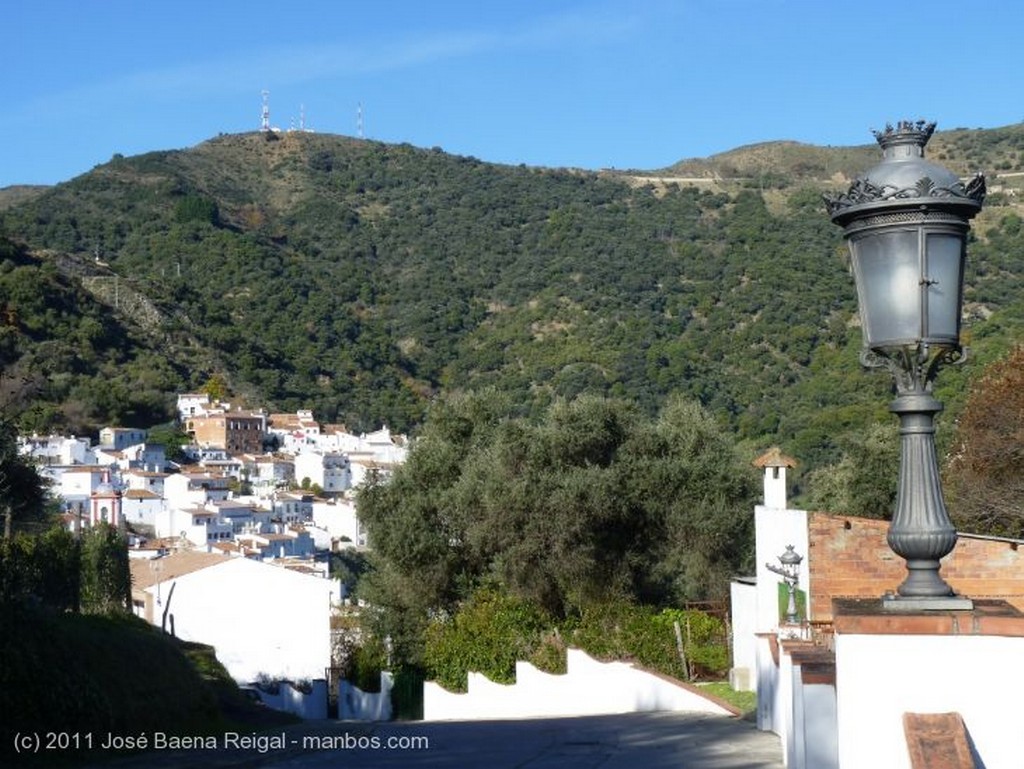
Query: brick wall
x: 849, y: 558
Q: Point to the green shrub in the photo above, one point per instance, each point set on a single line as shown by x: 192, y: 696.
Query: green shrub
x: 621, y: 630
x: 368, y: 660
x: 488, y: 634
x: 549, y: 655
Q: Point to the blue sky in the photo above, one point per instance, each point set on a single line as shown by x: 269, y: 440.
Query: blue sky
x: 580, y: 83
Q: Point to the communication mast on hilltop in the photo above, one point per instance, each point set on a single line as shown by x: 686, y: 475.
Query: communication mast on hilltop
x: 265, y: 118
x: 359, y: 120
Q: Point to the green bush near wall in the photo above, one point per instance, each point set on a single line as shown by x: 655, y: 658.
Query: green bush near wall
x: 493, y: 630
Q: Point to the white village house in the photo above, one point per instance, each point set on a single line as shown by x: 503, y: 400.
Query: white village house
x: 263, y: 620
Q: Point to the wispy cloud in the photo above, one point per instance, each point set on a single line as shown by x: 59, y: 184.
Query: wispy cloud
x: 292, y: 65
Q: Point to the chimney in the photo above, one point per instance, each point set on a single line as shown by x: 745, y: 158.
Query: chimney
x: 774, y: 464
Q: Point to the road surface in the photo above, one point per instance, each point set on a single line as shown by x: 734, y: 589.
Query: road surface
x: 650, y: 740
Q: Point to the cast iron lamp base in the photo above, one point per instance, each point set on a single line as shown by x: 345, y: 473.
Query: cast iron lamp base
x: 921, y: 531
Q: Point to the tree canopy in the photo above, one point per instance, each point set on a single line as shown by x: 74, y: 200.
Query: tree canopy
x: 23, y: 502
x: 593, y: 500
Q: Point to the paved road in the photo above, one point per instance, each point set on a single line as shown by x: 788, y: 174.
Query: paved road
x: 650, y: 740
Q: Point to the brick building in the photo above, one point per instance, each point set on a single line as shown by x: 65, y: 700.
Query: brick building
x: 237, y: 432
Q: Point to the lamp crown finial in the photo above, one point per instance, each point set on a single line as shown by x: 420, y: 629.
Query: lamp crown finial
x: 915, y: 132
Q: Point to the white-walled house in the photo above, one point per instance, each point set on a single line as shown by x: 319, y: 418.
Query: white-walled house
x: 195, y: 488
x: 242, y: 515
x: 142, y: 507
x: 262, y: 620
x: 282, y: 542
x: 330, y: 471
x: 145, y: 480
x: 269, y: 471
x: 339, y: 520
x: 295, y: 432
x: 120, y: 438
x: 367, y: 465
x: 192, y: 405
x: 78, y: 482
x: 381, y: 444
x: 292, y: 507
x: 110, y: 457
x: 145, y: 456
x: 858, y: 682
x: 56, y: 449
x: 197, y: 524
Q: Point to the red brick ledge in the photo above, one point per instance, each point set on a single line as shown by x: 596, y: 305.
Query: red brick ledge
x: 867, y: 617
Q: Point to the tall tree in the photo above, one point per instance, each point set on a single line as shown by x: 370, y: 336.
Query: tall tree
x: 864, y: 481
x: 105, y: 576
x: 593, y: 500
x: 22, y: 491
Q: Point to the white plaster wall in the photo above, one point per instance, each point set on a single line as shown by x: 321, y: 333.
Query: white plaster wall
x: 775, y: 487
x: 774, y: 529
x: 309, y: 706
x: 310, y: 465
x: 144, y: 511
x: 77, y: 483
x: 881, y: 677
x: 339, y: 519
x: 783, y: 704
x: 820, y: 749
x: 808, y: 725
x: 74, y: 451
x: 178, y: 494
x: 356, y: 705
x: 588, y: 687
x: 767, y: 687
x: 262, y: 619
x: 743, y: 605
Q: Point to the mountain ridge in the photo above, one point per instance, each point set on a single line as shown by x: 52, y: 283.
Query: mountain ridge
x: 363, y: 279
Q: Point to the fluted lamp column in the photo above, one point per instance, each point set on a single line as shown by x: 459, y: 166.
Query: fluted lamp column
x: 906, y: 222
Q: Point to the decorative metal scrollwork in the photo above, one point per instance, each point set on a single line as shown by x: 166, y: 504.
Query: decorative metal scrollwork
x: 864, y: 191
x: 914, y: 367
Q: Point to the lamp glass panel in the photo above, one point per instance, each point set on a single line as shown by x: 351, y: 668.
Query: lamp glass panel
x: 944, y: 278
x: 887, y: 268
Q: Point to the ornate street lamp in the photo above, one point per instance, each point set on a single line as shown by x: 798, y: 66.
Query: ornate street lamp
x: 790, y: 573
x: 906, y: 222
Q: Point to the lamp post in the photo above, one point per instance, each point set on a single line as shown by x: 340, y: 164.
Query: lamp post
x: 790, y: 573
x: 906, y: 222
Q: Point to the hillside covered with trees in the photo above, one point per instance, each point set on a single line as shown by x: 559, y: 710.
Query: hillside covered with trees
x: 589, y: 361
x: 362, y: 280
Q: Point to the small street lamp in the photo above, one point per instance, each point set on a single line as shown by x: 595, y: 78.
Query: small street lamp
x: 790, y: 572
x: 906, y: 222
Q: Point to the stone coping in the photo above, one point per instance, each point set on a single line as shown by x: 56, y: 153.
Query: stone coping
x: 869, y: 617
x: 817, y: 664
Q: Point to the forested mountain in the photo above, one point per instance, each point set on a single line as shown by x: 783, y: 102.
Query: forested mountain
x: 361, y: 279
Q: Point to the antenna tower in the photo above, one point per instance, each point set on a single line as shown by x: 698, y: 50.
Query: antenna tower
x: 359, y: 120
x: 265, y: 118
x: 302, y: 117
